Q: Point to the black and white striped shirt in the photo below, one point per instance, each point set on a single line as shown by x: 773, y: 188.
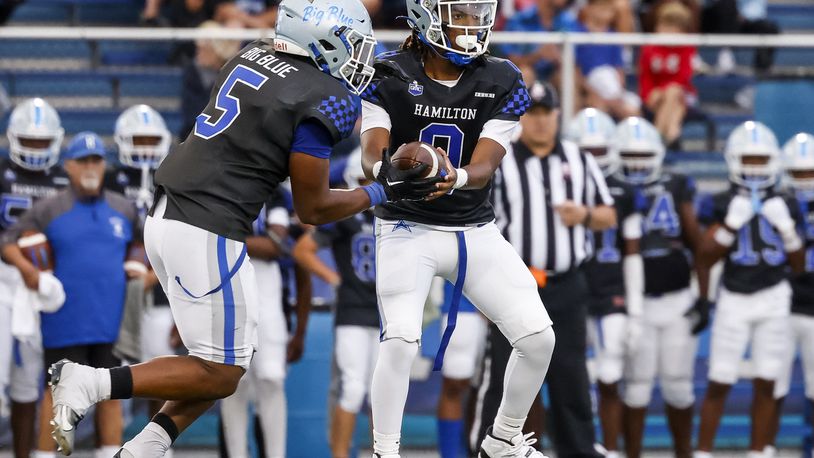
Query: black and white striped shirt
x: 526, y: 190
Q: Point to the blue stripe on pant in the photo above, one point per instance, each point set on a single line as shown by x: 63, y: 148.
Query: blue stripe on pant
x: 228, y: 304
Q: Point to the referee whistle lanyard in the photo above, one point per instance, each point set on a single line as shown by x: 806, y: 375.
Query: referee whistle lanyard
x: 224, y: 279
x: 457, y: 291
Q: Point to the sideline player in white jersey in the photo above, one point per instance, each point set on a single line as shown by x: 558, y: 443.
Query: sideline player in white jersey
x: 35, y: 137
x: 442, y: 68
x: 615, y: 274
x: 798, y: 163
x: 752, y: 228
x: 264, y: 382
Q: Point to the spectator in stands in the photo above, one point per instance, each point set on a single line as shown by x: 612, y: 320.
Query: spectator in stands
x: 740, y: 16
x: 200, y: 74
x: 177, y: 13
x: 648, y: 9
x: 89, y: 230
x: 602, y: 66
x: 251, y: 14
x: 544, y: 16
x: 665, y: 74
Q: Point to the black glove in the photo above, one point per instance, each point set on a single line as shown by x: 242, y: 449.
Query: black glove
x: 405, y: 184
x: 699, y: 315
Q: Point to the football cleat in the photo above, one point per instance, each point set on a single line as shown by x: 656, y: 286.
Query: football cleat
x: 520, y: 446
x: 376, y: 455
x: 74, y: 390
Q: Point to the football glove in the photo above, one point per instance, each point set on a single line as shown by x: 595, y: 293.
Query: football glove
x: 740, y: 211
x: 405, y: 184
x: 699, y: 315
x: 777, y: 213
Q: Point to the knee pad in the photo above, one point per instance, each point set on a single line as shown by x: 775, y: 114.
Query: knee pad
x: 638, y: 393
x: 678, y: 393
x: 352, y: 394
x: 538, y: 346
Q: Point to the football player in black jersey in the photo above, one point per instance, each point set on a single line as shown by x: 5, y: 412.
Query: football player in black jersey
x: 277, y: 109
x: 798, y: 162
x: 752, y: 229
x: 669, y: 234
x: 356, y: 339
x: 616, y: 259
x: 35, y: 137
x: 442, y: 88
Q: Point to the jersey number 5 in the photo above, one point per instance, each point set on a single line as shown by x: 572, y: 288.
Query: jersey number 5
x: 227, y: 104
x: 11, y: 207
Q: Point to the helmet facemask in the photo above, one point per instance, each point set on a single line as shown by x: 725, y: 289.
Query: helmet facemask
x: 640, y: 166
x: 754, y: 170
x: 603, y: 157
x: 143, y: 150
x: 35, y: 152
x: 357, y: 71
x: 460, y: 27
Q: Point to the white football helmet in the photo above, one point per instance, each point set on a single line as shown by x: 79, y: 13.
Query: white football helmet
x: 353, y: 172
x: 798, y: 162
x: 35, y: 135
x: 142, y: 137
x: 640, y: 150
x: 753, y: 155
x: 432, y: 19
x: 593, y: 130
x: 335, y: 34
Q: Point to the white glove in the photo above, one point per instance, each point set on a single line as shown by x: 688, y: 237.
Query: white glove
x: 777, y: 213
x: 635, y: 330
x: 740, y: 211
x: 5, y: 403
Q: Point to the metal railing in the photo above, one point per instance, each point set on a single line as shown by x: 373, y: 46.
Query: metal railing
x: 568, y: 41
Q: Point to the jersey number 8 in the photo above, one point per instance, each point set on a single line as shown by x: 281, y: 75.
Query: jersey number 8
x: 226, y: 103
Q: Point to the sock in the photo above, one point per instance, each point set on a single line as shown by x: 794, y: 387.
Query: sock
x: 43, y: 454
x: 755, y: 454
x: 449, y: 437
x: 106, y: 451
x: 391, y: 381
x: 524, y: 376
x: 154, y: 440
x: 120, y: 383
x: 386, y: 444
x: 507, y: 427
x: 700, y: 454
x: 271, y: 404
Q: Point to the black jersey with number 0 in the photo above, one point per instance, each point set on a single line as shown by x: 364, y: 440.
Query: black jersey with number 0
x: 803, y: 285
x: 21, y: 188
x: 666, y: 258
x: 452, y: 118
x: 757, y: 260
x: 604, y: 269
x: 238, y: 152
x: 353, y: 245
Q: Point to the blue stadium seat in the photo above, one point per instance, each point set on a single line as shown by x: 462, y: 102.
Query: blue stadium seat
x: 40, y: 49
x: 62, y: 84
x: 720, y: 89
x: 785, y: 106
x: 40, y: 12
x: 797, y: 17
x: 126, y: 12
x: 150, y: 85
x: 134, y: 52
x: 103, y: 121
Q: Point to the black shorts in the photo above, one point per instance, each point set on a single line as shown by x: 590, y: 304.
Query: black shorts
x: 94, y: 355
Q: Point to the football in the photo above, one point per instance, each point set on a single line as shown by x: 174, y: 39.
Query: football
x: 415, y: 153
x: 35, y: 248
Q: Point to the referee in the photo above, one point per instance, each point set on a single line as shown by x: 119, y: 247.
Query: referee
x: 547, y: 195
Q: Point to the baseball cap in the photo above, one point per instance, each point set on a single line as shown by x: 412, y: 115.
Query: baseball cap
x: 85, y: 144
x: 542, y: 93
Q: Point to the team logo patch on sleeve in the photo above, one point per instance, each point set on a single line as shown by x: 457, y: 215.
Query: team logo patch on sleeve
x: 343, y: 112
x: 415, y: 89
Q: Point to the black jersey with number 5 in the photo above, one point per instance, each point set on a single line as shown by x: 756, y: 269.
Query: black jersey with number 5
x: 20, y: 188
x: 452, y: 118
x: 757, y: 259
x: 666, y: 258
x: 604, y: 269
x: 238, y: 152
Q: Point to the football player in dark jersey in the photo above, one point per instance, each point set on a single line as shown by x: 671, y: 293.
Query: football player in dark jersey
x: 752, y: 229
x: 356, y: 341
x: 35, y: 137
x: 798, y: 162
x: 441, y: 88
x: 277, y: 109
x: 670, y: 233
x: 614, y: 275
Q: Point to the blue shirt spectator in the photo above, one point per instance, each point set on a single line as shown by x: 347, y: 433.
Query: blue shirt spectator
x: 530, y: 20
x: 590, y: 57
x: 90, y: 231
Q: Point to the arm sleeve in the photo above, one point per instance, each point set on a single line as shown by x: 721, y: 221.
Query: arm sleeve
x: 499, y: 131
x: 312, y: 138
x: 603, y: 195
x: 374, y: 116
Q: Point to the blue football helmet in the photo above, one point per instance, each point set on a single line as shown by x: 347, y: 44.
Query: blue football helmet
x: 142, y: 137
x: 35, y: 135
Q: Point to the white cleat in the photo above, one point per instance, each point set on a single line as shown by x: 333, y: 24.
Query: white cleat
x: 376, y: 455
x: 519, y: 446
x: 74, y: 390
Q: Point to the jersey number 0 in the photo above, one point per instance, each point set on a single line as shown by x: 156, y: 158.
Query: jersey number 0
x: 227, y: 104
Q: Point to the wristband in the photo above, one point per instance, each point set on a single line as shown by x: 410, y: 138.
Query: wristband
x: 376, y: 194
x: 724, y: 237
x: 376, y: 168
x: 463, y: 177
